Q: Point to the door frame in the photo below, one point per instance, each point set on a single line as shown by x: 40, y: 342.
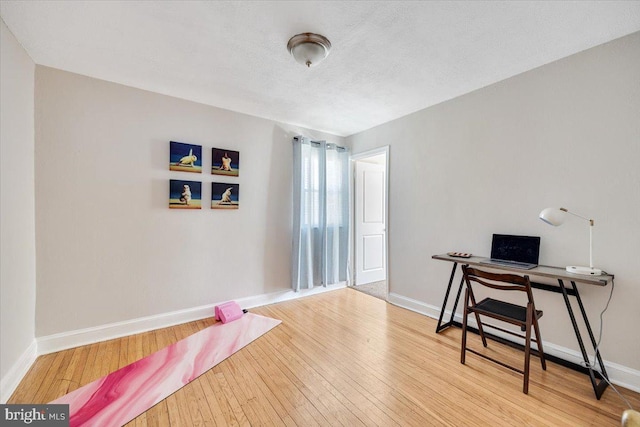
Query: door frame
x: 352, y: 179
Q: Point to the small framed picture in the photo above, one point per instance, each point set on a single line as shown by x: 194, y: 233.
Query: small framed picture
x: 225, y: 196
x: 185, y: 194
x: 225, y: 162
x: 185, y: 157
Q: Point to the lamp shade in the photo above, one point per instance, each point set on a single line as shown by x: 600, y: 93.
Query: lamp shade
x: 308, y: 48
x: 553, y: 216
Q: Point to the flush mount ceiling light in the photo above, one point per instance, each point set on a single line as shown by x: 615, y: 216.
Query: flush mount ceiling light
x: 308, y: 48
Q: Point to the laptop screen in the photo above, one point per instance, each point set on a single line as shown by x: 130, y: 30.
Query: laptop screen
x: 515, y: 248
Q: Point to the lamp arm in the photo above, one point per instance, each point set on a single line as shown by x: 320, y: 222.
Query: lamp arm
x: 578, y: 215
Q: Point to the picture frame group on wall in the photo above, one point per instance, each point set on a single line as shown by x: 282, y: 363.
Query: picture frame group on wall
x: 184, y: 194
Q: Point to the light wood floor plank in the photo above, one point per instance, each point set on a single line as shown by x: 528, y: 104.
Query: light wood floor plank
x: 292, y: 397
x: 315, y: 388
x: 341, y: 358
x: 217, y: 404
x: 36, y: 374
x: 54, y: 374
x: 238, y: 413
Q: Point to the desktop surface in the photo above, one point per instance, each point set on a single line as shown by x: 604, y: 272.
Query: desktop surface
x: 540, y: 270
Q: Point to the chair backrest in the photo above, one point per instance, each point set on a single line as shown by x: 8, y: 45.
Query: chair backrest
x: 506, y: 282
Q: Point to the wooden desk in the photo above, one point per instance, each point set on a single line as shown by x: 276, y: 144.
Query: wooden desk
x: 557, y: 273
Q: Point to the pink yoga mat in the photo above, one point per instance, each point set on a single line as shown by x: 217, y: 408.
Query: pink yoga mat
x: 122, y: 395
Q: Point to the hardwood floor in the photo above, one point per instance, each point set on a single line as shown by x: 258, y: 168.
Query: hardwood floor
x: 341, y: 358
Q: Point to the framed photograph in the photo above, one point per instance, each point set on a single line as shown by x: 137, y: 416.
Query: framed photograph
x: 185, y: 194
x: 185, y: 157
x: 225, y: 196
x: 225, y: 162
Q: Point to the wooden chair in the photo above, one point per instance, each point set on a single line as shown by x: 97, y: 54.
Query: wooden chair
x: 526, y: 317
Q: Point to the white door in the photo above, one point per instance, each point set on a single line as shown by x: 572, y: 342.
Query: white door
x: 370, y: 223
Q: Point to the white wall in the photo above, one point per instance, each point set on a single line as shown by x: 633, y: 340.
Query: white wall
x: 17, y: 214
x: 109, y: 248
x: 565, y: 134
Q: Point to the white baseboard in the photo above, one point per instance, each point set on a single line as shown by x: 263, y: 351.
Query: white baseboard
x: 10, y: 381
x: 618, y: 374
x: 66, y: 340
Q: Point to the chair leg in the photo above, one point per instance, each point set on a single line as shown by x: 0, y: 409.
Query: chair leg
x: 478, y: 321
x: 527, y: 349
x: 480, y: 330
x: 464, y: 326
x: 536, y: 328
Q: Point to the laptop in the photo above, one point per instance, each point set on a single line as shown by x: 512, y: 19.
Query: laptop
x: 514, y: 251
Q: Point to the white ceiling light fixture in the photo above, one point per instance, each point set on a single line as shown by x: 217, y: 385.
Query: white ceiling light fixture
x: 309, y: 48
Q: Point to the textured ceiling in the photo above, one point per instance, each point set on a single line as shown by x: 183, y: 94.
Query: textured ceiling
x: 388, y: 59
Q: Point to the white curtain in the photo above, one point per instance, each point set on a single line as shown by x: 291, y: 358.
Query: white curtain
x: 321, y: 213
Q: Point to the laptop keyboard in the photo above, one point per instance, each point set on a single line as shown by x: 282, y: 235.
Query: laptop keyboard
x: 514, y: 264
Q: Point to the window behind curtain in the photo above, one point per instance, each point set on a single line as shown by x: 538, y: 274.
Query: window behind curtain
x: 321, y: 213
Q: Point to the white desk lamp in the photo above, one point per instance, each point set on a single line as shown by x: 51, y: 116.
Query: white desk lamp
x: 555, y: 217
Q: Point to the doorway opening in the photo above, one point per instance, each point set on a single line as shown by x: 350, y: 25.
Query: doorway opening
x: 370, y: 172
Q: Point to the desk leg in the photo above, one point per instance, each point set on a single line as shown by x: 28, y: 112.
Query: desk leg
x: 598, y: 387
x: 440, y: 325
x: 603, y: 372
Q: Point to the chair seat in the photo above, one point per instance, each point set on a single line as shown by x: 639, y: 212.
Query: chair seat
x: 503, y: 309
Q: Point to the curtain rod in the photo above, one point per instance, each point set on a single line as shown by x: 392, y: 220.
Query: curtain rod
x: 317, y: 143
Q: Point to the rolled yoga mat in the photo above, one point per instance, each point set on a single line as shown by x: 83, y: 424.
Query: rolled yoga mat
x: 122, y: 395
